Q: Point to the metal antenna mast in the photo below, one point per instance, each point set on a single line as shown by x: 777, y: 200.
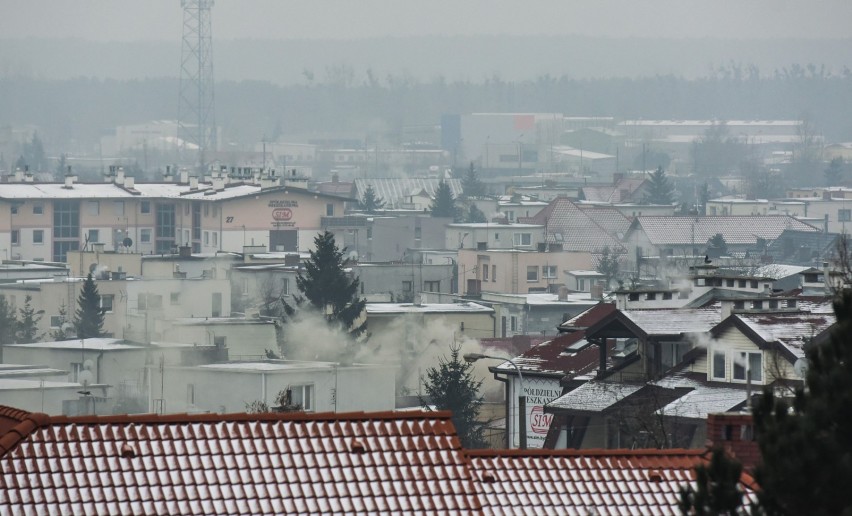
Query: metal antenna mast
x: 196, y: 109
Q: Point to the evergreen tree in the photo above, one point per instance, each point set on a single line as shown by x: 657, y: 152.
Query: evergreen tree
x: 834, y: 172
x: 717, y: 246
x: 660, y: 190
x: 89, y: 320
x: 471, y: 185
x: 474, y: 214
x: 371, y: 203
x: 60, y: 333
x: 608, y: 265
x: 703, y: 198
x: 806, y: 446
x: 28, y: 323
x: 451, y: 386
x: 717, y: 488
x: 326, y: 285
x: 443, y: 205
x: 34, y: 153
x: 8, y: 321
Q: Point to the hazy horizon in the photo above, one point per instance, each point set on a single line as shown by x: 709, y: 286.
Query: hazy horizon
x: 160, y: 20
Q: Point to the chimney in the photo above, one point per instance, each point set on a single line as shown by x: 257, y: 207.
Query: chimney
x: 727, y: 308
x: 597, y: 291
x: 218, y: 183
x: 562, y: 294
x: 98, y: 247
x: 335, y: 177
x: 184, y: 176
x: 19, y: 175
x: 129, y: 182
x: 826, y: 276
x: 193, y: 183
x: 69, y: 181
x: 119, y: 176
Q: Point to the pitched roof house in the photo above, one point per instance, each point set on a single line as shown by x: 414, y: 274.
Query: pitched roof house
x: 294, y: 463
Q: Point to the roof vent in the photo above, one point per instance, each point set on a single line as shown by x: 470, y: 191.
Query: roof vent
x: 655, y: 476
x: 358, y: 447
x: 488, y: 477
x: 128, y: 451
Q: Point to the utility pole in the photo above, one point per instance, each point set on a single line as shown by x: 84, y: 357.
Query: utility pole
x: 196, y: 112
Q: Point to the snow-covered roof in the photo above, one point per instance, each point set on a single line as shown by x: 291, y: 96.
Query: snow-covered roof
x: 704, y: 400
x: 672, y: 322
x: 737, y: 230
x: 595, y: 396
x: 411, y: 308
x: 94, y: 344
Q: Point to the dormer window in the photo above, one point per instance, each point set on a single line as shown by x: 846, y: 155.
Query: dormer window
x: 633, y: 296
x: 739, y: 305
x: 650, y: 296
x: 757, y: 305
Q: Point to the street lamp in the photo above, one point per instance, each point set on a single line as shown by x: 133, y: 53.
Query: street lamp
x: 522, y: 399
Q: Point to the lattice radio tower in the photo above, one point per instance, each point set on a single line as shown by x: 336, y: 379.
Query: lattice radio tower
x: 196, y: 108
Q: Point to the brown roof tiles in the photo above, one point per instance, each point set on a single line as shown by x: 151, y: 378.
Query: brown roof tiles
x: 311, y: 463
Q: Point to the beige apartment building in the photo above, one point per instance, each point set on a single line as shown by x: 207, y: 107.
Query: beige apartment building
x: 515, y: 271
x: 43, y: 221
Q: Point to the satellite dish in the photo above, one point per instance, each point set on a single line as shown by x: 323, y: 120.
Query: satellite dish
x: 801, y: 367
x: 85, y: 378
x: 127, y: 242
x: 88, y: 365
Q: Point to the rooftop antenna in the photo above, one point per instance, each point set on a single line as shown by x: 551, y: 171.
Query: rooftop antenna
x: 196, y: 113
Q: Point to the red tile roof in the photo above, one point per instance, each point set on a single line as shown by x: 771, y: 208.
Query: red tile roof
x: 389, y: 462
x: 585, y: 481
x: 237, y: 463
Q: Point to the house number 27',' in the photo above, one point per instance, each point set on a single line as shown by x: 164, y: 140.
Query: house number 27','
x: 229, y: 219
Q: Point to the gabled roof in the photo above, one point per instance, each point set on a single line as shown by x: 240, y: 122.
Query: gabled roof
x: 586, y: 481
x: 645, y: 323
x: 621, y: 191
x: 394, y: 190
x: 789, y: 332
x: 589, y: 317
x: 574, y: 228
x: 737, y: 230
x: 567, y: 355
x: 239, y: 463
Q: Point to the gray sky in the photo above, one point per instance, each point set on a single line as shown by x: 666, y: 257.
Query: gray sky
x: 128, y: 20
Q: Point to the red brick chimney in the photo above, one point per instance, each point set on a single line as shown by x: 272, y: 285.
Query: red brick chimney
x: 734, y: 432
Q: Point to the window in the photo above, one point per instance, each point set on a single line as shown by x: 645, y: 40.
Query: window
x: 106, y: 303
x: 532, y: 273
x: 548, y: 271
x: 754, y: 363
x: 406, y: 286
x: 165, y: 228
x: 118, y: 207
x: 650, y: 296
x: 206, y: 237
x: 145, y: 235
x: 485, y: 273
x: 38, y: 209
x: 742, y: 283
x: 633, y: 296
x: 844, y: 215
x: 302, y: 395
x: 417, y: 231
x: 56, y: 321
x: 729, y: 282
x: 93, y: 207
x: 16, y: 237
x: 174, y: 298
x: 94, y: 236
x: 718, y: 372
x: 369, y: 233
x: 432, y: 286
x: 667, y: 295
x: 329, y: 210
x: 145, y: 207
x: 215, y: 211
x: 522, y: 239
x: 215, y: 236
x: 496, y: 237
x: 513, y: 323
x: 146, y: 301
x: 285, y: 286
x: 206, y: 210
x: 753, y: 283
x: 15, y: 209
x: 493, y: 273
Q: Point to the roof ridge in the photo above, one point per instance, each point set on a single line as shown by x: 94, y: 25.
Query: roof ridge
x: 150, y: 418
x: 591, y: 452
x: 10, y: 439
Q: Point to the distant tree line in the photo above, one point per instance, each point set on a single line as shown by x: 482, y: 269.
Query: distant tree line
x: 79, y: 109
